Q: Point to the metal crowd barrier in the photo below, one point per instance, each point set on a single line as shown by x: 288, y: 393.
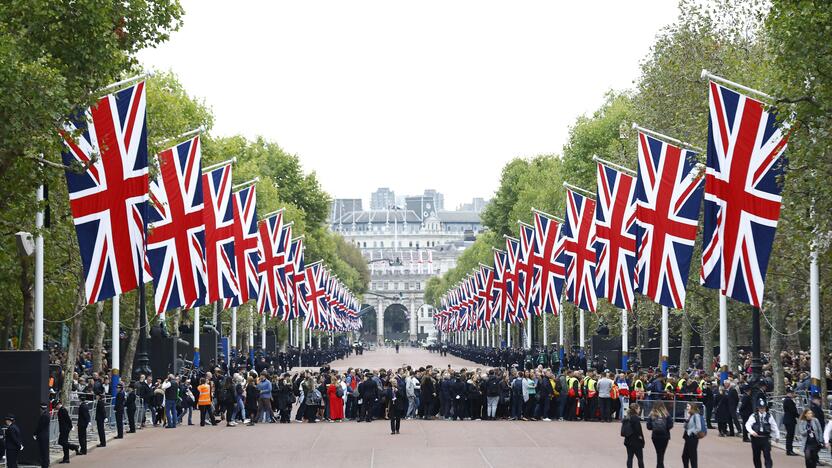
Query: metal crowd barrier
x: 675, y: 407
x: 802, y: 402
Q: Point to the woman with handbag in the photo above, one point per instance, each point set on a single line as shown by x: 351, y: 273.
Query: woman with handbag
x: 811, y: 432
x: 694, y: 430
x: 285, y: 398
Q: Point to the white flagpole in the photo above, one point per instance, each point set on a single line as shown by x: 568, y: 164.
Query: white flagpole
x: 814, y: 319
x: 251, y: 335
x: 115, y: 357
x: 39, y: 273
x: 508, y: 327
x: 529, y: 333
x: 560, y: 332
x: 665, y: 351
x: 723, y: 333
x: 291, y: 325
x: 625, y: 341
x: 500, y: 344
x: 196, y: 337
x: 545, y: 330
x: 233, y: 328
x: 263, y: 333
x: 581, y: 329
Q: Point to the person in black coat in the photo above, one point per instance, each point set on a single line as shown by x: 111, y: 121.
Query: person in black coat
x: 746, y: 410
x: 368, y: 394
x: 42, y: 434
x: 633, y: 436
x: 131, y: 408
x: 13, y: 442
x: 396, y: 404
x: 733, y: 404
x: 100, y: 416
x: 724, y: 419
x: 118, y: 408
x: 458, y: 397
x: 83, y: 422
x: 64, y: 428
x: 790, y: 416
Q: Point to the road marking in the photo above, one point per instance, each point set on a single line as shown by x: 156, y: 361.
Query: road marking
x: 482, y: 454
x: 315, y: 442
x: 520, y: 425
x: 373, y: 458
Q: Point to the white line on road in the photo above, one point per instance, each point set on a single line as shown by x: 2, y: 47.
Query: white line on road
x: 482, y: 454
x: 373, y: 458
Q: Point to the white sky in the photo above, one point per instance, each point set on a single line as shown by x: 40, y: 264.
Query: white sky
x: 410, y: 95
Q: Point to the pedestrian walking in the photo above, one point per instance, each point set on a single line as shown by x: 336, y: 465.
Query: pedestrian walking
x: 811, y: 433
x: 633, y: 436
x: 64, y: 428
x: 694, y: 430
x: 660, y: 423
x: 762, y: 427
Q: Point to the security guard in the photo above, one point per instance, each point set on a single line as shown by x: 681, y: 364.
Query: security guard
x: 42, y: 434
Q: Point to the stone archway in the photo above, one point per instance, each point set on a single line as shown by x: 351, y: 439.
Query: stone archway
x: 369, y: 327
x: 396, y: 323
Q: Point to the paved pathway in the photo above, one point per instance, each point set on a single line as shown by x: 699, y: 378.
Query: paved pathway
x: 439, y: 444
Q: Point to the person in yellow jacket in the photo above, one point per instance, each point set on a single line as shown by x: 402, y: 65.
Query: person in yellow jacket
x: 591, y: 397
x: 204, y: 401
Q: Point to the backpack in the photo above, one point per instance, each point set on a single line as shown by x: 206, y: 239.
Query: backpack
x: 660, y: 425
x: 626, y: 428
x: 339, y: 391
x: 704, y: 431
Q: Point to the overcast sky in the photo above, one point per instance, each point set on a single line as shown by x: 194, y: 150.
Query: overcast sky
x: 410, y: 95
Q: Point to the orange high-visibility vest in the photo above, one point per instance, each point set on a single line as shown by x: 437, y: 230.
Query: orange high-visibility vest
x: 204, y: 395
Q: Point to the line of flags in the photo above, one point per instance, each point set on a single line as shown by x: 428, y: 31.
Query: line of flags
x: 189, y: 231
x: 636, y: 231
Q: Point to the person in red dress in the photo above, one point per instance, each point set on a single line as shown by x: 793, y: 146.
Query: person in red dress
x: 335, y: 392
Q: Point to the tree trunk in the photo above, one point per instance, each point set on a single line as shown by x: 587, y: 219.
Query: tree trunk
x: 4, y: 333
x: 132, y: 343
x: 98, y: 344
x: 74, y: 342
x: 707, y: 336
x: 777, y: 317
x: 684, y: 351
x: 27, y: 341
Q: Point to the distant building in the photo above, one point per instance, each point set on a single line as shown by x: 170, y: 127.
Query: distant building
x: 477, y: 205
x: 382, y: 199
x: 422, y: 205
x: 438, y: 198
x: 341, y: 206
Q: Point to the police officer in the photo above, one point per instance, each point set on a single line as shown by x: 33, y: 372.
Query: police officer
x: 131, y: 408
x: 13, y: 442
x: 42, y: 434
x: 762, y: 427
x: 83, y: 422
x: 100, y: 415
x: 118, y: 408
x: 64, y: 428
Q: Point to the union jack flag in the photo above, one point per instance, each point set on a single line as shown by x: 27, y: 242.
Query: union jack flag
x: 615, y: 237
x: 578, y: 254
x: 486, y: 286
x: 109, y: 199
x: 245, y: 246
x: 298, y: 274
x: 742, y: 194
x: 528, y: 273
x: 316, y: 304
x: 548, y: 250
x: 219, y: 235
x: 269, y: 288
x: 512, y: 276
x: 176, y: 238
x: 499, y: 294
x: 668, y: 194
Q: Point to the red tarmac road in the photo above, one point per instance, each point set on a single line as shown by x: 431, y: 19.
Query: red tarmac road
x: 422, y: 444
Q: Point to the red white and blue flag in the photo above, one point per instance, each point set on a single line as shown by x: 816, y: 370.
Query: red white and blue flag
x: 528, y: 274
x: 109, y: 199
x: 285, y: 272
x: 486, y: 286
x: 512, y: 277
x: 316, y: 304
x: 246, y: 256
x: 615, y: 236
x: 221, y: 268
x: 742, y: 194
x: 547, y: 259
x: 578, y: 253
x: 499, y: 294
x: 176, y: 237
x: 668, y: 194
x: 269, y: 288
x: 295, y: 269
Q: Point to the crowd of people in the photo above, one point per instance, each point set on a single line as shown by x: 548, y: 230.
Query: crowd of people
x: 514, y: 384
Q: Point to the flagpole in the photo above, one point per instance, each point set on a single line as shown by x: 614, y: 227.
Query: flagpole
x: 251, y: 336
x: 613, y: 165
x: 39, y: 217
x: 581, y: 329
x: 115, y: 355
x: 529, y: 333
x: 508, y: 327
x: 219, y: 165
x: 291, y: 325
x: 814, y: 320
x: 196, y: 337
x: 708, y: 75
x: 665, y: 350
x: 114, y: 86
x: 560, y: 336
x: 584, y: 192
x: 556, y: 218
x: 545, y: 331
x: 234, y: 328
x: 723, y: 336
x: 263, y: 334
x: 181, y: 137
x: 666, y: 138
x: 501, y: 332
x: 625, y: 341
